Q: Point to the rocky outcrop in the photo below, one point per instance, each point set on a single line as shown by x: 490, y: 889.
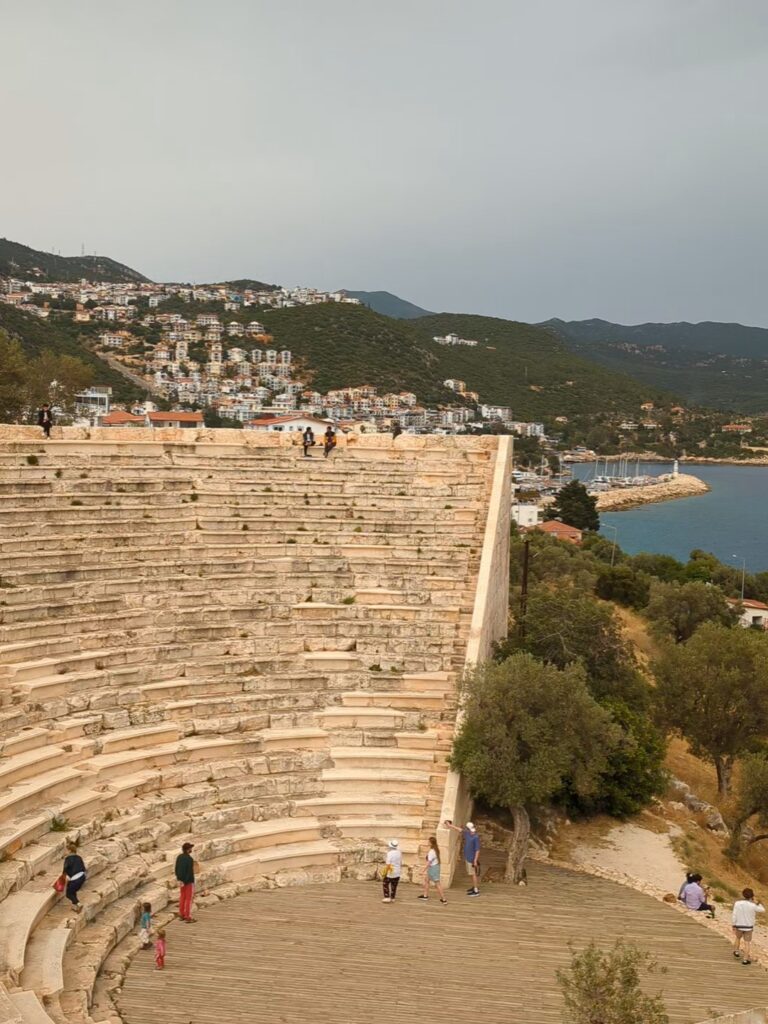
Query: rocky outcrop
x: 713, y: 819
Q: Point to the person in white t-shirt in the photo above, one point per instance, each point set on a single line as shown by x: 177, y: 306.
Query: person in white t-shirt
x: 432, y: 874
x: 743, y: 918
x: 393, y: 868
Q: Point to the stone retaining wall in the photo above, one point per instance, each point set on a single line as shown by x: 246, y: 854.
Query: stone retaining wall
x: 489, y: 624
x: 10, y: 432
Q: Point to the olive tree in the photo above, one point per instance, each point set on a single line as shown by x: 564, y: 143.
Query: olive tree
x: 713, y: 691
x: 604, y: 988
x: 751, y: 801
x: 678, y: 609
x: 527, y: 730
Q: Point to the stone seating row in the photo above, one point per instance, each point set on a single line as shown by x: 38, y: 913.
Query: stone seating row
x: 253, y: 849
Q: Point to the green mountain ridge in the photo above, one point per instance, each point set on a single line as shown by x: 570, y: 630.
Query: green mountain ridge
x: 21, y: 261
x: 528, y: 368
x: 724, y: 366
x: 388, y: 304
x: 708, y: 336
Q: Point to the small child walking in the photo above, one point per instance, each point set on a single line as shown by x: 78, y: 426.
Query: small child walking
x: 160, y: 949
x: 145, y: 925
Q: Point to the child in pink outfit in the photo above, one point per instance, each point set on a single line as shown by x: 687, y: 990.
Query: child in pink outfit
x: 160, y: 950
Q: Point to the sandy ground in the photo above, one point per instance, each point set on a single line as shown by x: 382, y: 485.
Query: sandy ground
x: 631, y: 850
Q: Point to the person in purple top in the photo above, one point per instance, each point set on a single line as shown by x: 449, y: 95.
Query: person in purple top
x: 471, y: 853
x: 695, y: 897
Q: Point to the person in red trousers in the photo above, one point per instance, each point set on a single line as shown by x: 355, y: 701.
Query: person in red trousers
x: 185, y: 876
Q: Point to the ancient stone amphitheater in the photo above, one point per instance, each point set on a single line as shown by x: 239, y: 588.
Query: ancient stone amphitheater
x: 206, y: 636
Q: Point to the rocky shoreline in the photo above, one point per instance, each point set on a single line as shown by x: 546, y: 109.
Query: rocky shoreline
x: 684, y: 485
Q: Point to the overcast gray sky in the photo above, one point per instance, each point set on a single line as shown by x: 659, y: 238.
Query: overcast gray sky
x: 520, y: 158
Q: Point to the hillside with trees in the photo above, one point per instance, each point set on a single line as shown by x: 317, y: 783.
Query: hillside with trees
x: 702, y: 682
x: 724, y: 366
x: 60, y: 336
x: 388, y: 304
x: 21, y: 261
x: 528, y: 368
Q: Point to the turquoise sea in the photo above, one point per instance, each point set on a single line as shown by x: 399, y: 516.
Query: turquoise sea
x: 731, y: 520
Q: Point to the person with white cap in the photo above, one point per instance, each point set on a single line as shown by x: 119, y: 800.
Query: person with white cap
x: 471, y: 853
x: 392, y: 870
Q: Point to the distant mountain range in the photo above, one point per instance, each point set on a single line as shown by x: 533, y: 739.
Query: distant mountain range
x: 728, y: 339
x: 388, y: 304
x: 31, y: 264
x: 716, y: 364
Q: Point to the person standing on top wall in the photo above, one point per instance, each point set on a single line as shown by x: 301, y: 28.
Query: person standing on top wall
x: 471, y: 853
x: 307, y: 441
x: 45, y: 419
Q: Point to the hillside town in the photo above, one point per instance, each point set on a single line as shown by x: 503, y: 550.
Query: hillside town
x: 229, y: 363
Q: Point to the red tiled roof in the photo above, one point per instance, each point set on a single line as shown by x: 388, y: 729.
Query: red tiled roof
x: 748, y: 603
x: 175, y: 417
x: 119, y: 417
x: 559, y: 529
x: 286, y: 419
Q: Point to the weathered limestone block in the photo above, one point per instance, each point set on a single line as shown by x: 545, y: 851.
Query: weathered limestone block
x: 308, y: 876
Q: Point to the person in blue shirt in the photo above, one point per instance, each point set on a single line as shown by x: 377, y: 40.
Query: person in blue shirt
x: 471, y: 853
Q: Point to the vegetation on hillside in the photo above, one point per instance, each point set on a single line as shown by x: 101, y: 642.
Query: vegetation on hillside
x: 529, y: 369
x: 704, y: 682
x: 724, y: 366
x: 23, y: 262
x: 25, y: 384
x: 59, y: 335
x: 347, y: 346
x: 711, y: 690
x: 389, y: 305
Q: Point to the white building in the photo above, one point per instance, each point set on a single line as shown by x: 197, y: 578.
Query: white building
x: 754, y: 614
x: 496, y: 412
x: 295, y: 421
x: 526, y: 516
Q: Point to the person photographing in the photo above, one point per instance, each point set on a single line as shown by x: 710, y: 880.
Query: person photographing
x: 471, y: 841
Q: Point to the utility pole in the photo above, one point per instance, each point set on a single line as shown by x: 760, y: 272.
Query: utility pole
x: 743, y: 572
x: 524, y: 588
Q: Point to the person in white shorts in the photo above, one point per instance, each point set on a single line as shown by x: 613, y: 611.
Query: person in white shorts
x: 743, y: 919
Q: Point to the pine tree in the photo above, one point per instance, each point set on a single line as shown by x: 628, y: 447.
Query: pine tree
x: 574, y: 506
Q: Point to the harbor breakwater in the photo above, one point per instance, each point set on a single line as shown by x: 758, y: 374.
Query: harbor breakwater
x: 684, y: 485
